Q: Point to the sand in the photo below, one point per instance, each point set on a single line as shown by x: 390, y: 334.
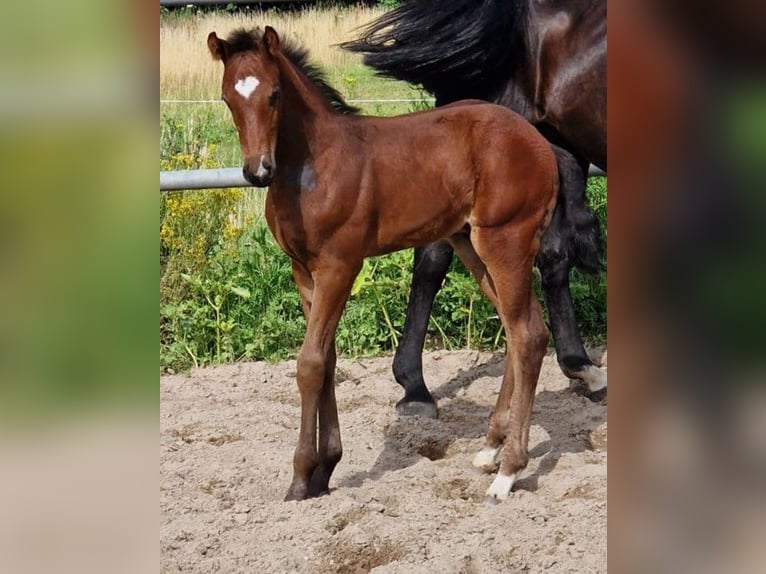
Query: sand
x: 404, y: 499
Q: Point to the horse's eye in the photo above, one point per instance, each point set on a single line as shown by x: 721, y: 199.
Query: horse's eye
x: 274, y: 97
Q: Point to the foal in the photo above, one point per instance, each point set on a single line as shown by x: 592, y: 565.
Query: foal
x: 344, y: 187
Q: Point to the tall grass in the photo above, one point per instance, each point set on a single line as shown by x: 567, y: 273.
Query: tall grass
x: 188, y: 71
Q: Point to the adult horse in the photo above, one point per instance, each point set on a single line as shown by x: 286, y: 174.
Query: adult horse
x: 546, y: 60
x: 344, y: 187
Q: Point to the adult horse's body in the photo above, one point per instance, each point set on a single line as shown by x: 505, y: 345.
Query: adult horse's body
x: 546, y: 60
x: 343, y: 187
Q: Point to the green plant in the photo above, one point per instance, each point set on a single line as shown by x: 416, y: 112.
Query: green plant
x: 241, y: 305
x: 423, y: 102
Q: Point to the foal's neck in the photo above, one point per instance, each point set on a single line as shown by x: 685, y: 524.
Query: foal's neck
x: 305, y: 111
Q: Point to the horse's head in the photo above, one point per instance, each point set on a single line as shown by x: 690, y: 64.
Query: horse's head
x: 251, y: 89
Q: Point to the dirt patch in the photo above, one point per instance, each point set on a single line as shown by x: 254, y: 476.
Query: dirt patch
x: 405, y: 498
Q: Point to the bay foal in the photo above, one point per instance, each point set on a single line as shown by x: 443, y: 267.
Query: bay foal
x: 344, y: 187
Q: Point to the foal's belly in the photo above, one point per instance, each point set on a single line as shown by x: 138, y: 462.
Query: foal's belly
x: 416, y: 229
x: 431, y: 201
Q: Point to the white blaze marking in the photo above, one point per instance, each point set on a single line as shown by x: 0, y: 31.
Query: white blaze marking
x: 261, y: 170
x: 486, y: 459
x: 246, y: 86
x: 501, y: 487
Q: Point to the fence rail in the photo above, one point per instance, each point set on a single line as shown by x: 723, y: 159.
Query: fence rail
x: 351, y: 101
x: 232, y: 177
x: 178, y: 3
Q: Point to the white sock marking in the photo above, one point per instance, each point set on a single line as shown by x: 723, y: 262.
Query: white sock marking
x: 486, y: 459
x: 595, y: 378
x: 246, y: 86
x: 500, y: 487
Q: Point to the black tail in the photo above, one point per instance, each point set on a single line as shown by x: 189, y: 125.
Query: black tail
x: 574, y: 234
x: 446, y: 46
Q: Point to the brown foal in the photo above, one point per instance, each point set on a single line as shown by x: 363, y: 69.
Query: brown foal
x: 344, y: 187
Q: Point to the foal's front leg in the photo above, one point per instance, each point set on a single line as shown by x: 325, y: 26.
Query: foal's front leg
x: 331, y: 285
x: 330, y: 448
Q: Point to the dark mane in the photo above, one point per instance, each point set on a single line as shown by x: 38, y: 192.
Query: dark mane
x: 242, y: 40
x: 453, y: 48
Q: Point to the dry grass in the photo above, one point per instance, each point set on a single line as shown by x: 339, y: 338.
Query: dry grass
x: 188, y: 72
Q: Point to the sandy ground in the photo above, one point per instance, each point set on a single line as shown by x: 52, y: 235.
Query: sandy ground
x: 405, y: 498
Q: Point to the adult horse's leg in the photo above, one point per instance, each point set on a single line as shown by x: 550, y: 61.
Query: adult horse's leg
x: 324, y: 296
x: 572, y: 238
x: 430, y: 269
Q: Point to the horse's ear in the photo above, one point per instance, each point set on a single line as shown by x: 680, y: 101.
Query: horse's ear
x: 271, y: 40
x: 218, y: 48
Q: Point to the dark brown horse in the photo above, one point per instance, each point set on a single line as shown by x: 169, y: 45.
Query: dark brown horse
x: 344, y: 187
x: 546, y: 60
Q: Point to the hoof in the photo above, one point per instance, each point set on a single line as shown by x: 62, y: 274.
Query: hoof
x: 319, y: 484
x: 296, y: 494
x: 595, y: 379
x: 317, y: 490
x: 417, y: 408
x: 486, y: 459
x: 597, y: 396
x: 290, y: 496
x: 500, y: 489
x: 591, y: 383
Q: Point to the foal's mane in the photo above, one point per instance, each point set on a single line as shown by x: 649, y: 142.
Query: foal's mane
x: 242, y: 40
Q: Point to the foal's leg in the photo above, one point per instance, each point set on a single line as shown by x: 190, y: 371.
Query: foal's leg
x: 572, y: 238
x: 330, y: 448
x: 529, y: 337
x: 487, y: 458
x: 506, y: 254
x: 430, y: 268
x: 331, y: 285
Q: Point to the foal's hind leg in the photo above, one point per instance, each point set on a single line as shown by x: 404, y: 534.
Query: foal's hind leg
x: 507, y: 253
x: 324, y: 297
x: 487, y: 458
x: 529, y: 340
x: 429, y: 271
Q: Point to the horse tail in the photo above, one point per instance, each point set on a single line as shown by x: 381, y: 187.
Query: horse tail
x: 445, y: 46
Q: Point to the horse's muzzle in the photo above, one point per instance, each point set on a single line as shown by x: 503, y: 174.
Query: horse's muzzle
x: 263, y: 175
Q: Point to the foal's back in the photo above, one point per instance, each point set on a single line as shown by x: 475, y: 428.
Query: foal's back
x: 427, y: 174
